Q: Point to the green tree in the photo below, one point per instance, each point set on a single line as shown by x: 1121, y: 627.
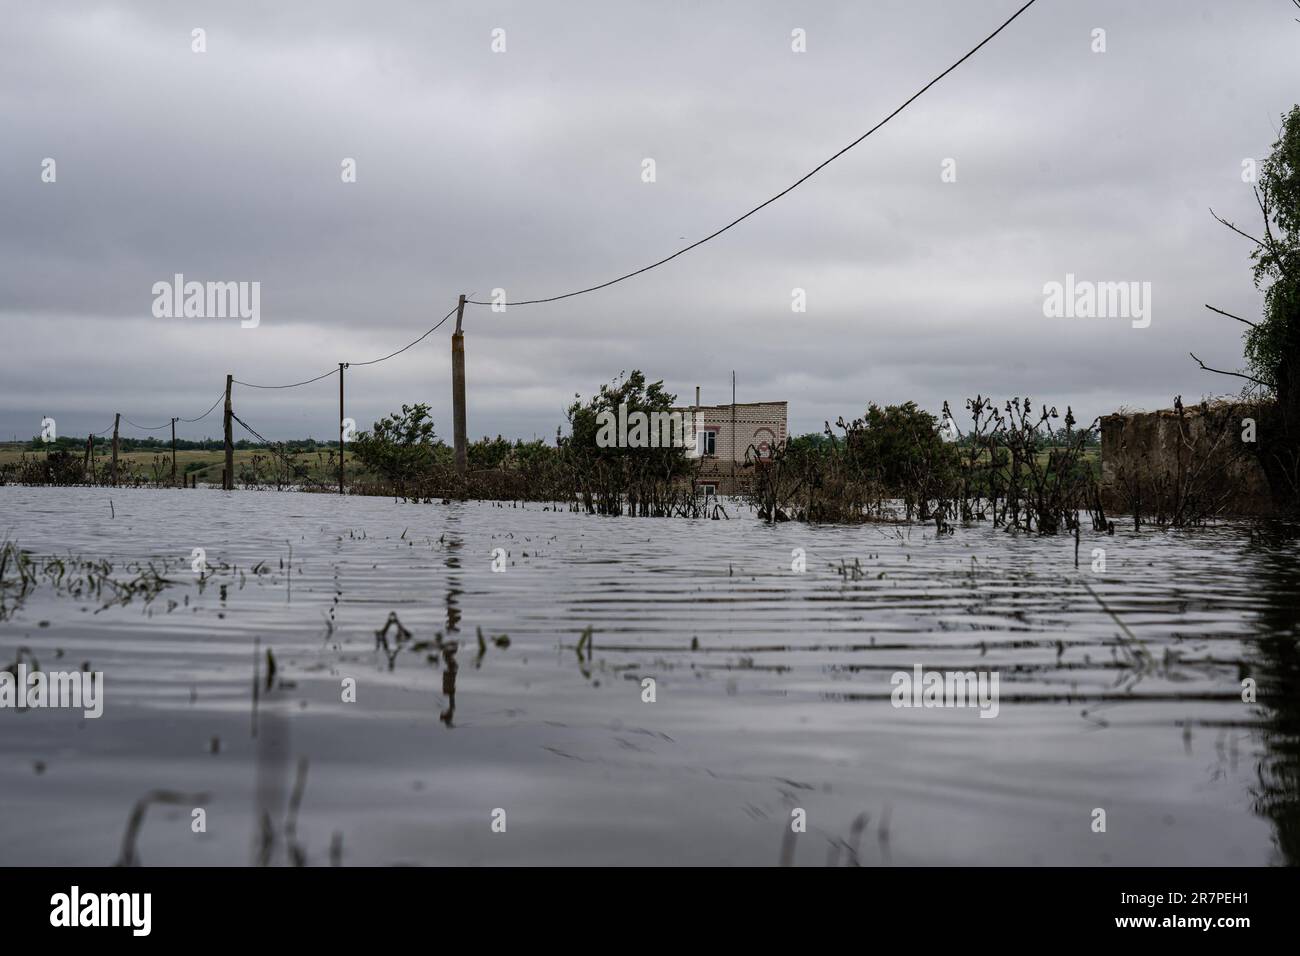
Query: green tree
x: 638, y: 396
x: 608, y: 476
x: 400, y: 447
x: 1272, y: 345
x: 900, y: 447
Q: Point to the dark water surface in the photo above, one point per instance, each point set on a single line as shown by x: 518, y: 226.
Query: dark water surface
x: 785, y: 703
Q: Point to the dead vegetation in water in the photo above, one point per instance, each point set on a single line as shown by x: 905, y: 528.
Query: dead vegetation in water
x: 100, y: 581
x: 22, y: 572
x: 1021, y: 466
x: 1182, y: 467
x: 130, y: 856
x: 438, y: 651
x: 849, y: 848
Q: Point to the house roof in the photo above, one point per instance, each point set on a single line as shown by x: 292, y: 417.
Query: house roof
x: 724, y: 407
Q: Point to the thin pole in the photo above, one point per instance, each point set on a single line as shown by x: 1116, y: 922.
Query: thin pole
x: 117, y: 419
x: 733, y: 432
x: 173, y: 452
x: 695, y: 425
x: 458, y: 388
x: 342, y: 365
x: 85, y: 465
x: 695, y: 437
x: 228, y: 475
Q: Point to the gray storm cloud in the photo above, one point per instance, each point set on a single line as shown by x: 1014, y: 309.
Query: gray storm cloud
x: 522, y: 170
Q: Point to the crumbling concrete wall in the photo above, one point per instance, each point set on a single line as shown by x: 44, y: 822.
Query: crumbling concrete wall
x: 1197, y: 462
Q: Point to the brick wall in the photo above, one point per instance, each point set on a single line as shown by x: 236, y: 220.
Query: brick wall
x: 756, y: 423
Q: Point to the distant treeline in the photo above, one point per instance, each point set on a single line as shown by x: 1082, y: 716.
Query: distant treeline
x: 1089, y: 437
x: 489, y: 452
x: 124, y: 444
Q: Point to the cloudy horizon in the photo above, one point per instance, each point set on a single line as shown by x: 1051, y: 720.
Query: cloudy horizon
x: 522, y: 170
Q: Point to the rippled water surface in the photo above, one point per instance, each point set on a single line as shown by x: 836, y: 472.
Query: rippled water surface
x: 772, y: 689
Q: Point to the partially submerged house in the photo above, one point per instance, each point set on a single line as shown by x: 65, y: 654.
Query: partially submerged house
x: 1188, y: 461
x: 724, y: 434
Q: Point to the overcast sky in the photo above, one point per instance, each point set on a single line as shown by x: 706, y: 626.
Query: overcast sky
x: 522, y: 170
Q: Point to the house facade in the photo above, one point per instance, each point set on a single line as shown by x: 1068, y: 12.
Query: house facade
x: 723, y: 434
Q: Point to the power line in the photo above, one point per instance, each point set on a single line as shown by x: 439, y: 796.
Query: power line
x: 207, y: 413
x: 154, y: 428
x: 249, y: 428
x: 818, y: 168
x: 309, y: 381
x: 333, y: 371
x: 654, y: 265
x: 145, y: 428
x: 407, y: 346
x: 297, y: 468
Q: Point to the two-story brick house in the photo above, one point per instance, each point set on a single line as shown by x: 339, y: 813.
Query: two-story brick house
x: 722, y: 434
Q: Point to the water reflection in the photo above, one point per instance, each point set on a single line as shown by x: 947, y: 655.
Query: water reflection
x: 1277, y: 673
x: 773, y: 687
x: 450, y: 647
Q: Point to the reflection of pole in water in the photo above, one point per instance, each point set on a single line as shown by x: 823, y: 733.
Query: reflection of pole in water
x: 257, y: 641
x: 453, y: 585
x: 450, y: 669
x: 272, y: 781
x: 274, y: 801
x: 1277, y: 677
x: 449, y: 649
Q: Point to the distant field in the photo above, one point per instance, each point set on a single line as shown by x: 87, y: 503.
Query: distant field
x: 206, y: 464
x: 1090, y: 456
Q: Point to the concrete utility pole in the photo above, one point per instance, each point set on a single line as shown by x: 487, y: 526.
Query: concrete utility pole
x: 117, y: 418
x: 173, y: 452
x: 458, y: 388
x: 342, y: 365
x: 228, y: 476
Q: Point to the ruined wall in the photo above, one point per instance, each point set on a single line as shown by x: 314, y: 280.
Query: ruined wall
x: 1160, y: 462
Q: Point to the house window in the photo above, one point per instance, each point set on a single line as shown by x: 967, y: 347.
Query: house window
x: 708, y: 444
x: 709, y: 491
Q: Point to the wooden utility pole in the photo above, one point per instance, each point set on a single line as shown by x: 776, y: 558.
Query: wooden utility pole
x: 228, y: 475
x: 86, y: 465
x: 173, y: 452
x: 342, y: 365
x: 117, y: 419
x: 458, y: 388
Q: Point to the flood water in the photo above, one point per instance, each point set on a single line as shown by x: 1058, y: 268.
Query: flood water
x: 771, y: 690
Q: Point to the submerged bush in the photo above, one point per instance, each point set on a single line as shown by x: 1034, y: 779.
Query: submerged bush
x: 1013, y: 465
x: 400, y: 448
